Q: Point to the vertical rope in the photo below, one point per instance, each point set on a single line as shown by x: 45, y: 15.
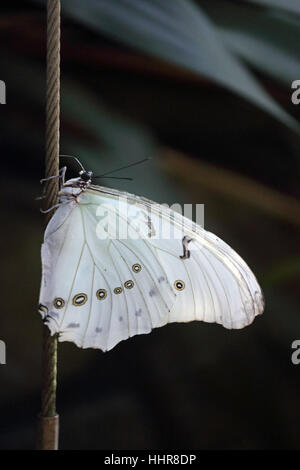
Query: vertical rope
x: 48, y: 419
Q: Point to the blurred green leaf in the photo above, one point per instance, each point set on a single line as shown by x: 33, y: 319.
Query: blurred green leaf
x: 179, y: 32
x: 277, y: 63
x: 267, y: 40
x: 231, y: 185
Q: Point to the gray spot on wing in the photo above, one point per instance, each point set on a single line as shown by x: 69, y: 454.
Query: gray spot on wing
x: 138, y: 313
x: 73, y: 325
x: 152, y: 292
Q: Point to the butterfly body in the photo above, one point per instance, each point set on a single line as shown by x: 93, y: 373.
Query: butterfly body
x: 116, y: 265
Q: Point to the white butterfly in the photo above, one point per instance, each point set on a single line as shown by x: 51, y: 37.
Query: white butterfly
x: 99, y: 288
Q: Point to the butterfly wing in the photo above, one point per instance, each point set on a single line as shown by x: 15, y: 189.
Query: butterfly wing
x: 98, y: 291
x: 218, y: 284
x: 109, y: 274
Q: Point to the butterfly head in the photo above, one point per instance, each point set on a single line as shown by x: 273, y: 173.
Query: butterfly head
x: 86, y: 176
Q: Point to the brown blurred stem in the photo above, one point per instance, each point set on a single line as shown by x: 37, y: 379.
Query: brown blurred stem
x: 48, y: 424
x: 200, y: 174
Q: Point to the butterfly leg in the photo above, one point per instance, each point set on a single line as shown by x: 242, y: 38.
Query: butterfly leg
x: 50, y: 209
x: 61, y: 175
x: 54, y: 207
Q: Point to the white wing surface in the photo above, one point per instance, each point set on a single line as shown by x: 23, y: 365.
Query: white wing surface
x: 114, y: 267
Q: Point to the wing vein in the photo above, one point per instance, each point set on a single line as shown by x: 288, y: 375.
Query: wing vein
x: 91, y: 305
x: 72, y: 285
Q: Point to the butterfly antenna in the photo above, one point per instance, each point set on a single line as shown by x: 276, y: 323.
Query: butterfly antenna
x: 74, y: 158
x: 115, y: 177
x: 123, y: 167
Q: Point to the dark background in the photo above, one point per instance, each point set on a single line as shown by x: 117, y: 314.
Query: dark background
x: 196, y: 385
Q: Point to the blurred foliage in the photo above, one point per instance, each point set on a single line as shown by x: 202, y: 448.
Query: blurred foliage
x: 204, y: 88
x: 265, y: 40
x: 178, y: 32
